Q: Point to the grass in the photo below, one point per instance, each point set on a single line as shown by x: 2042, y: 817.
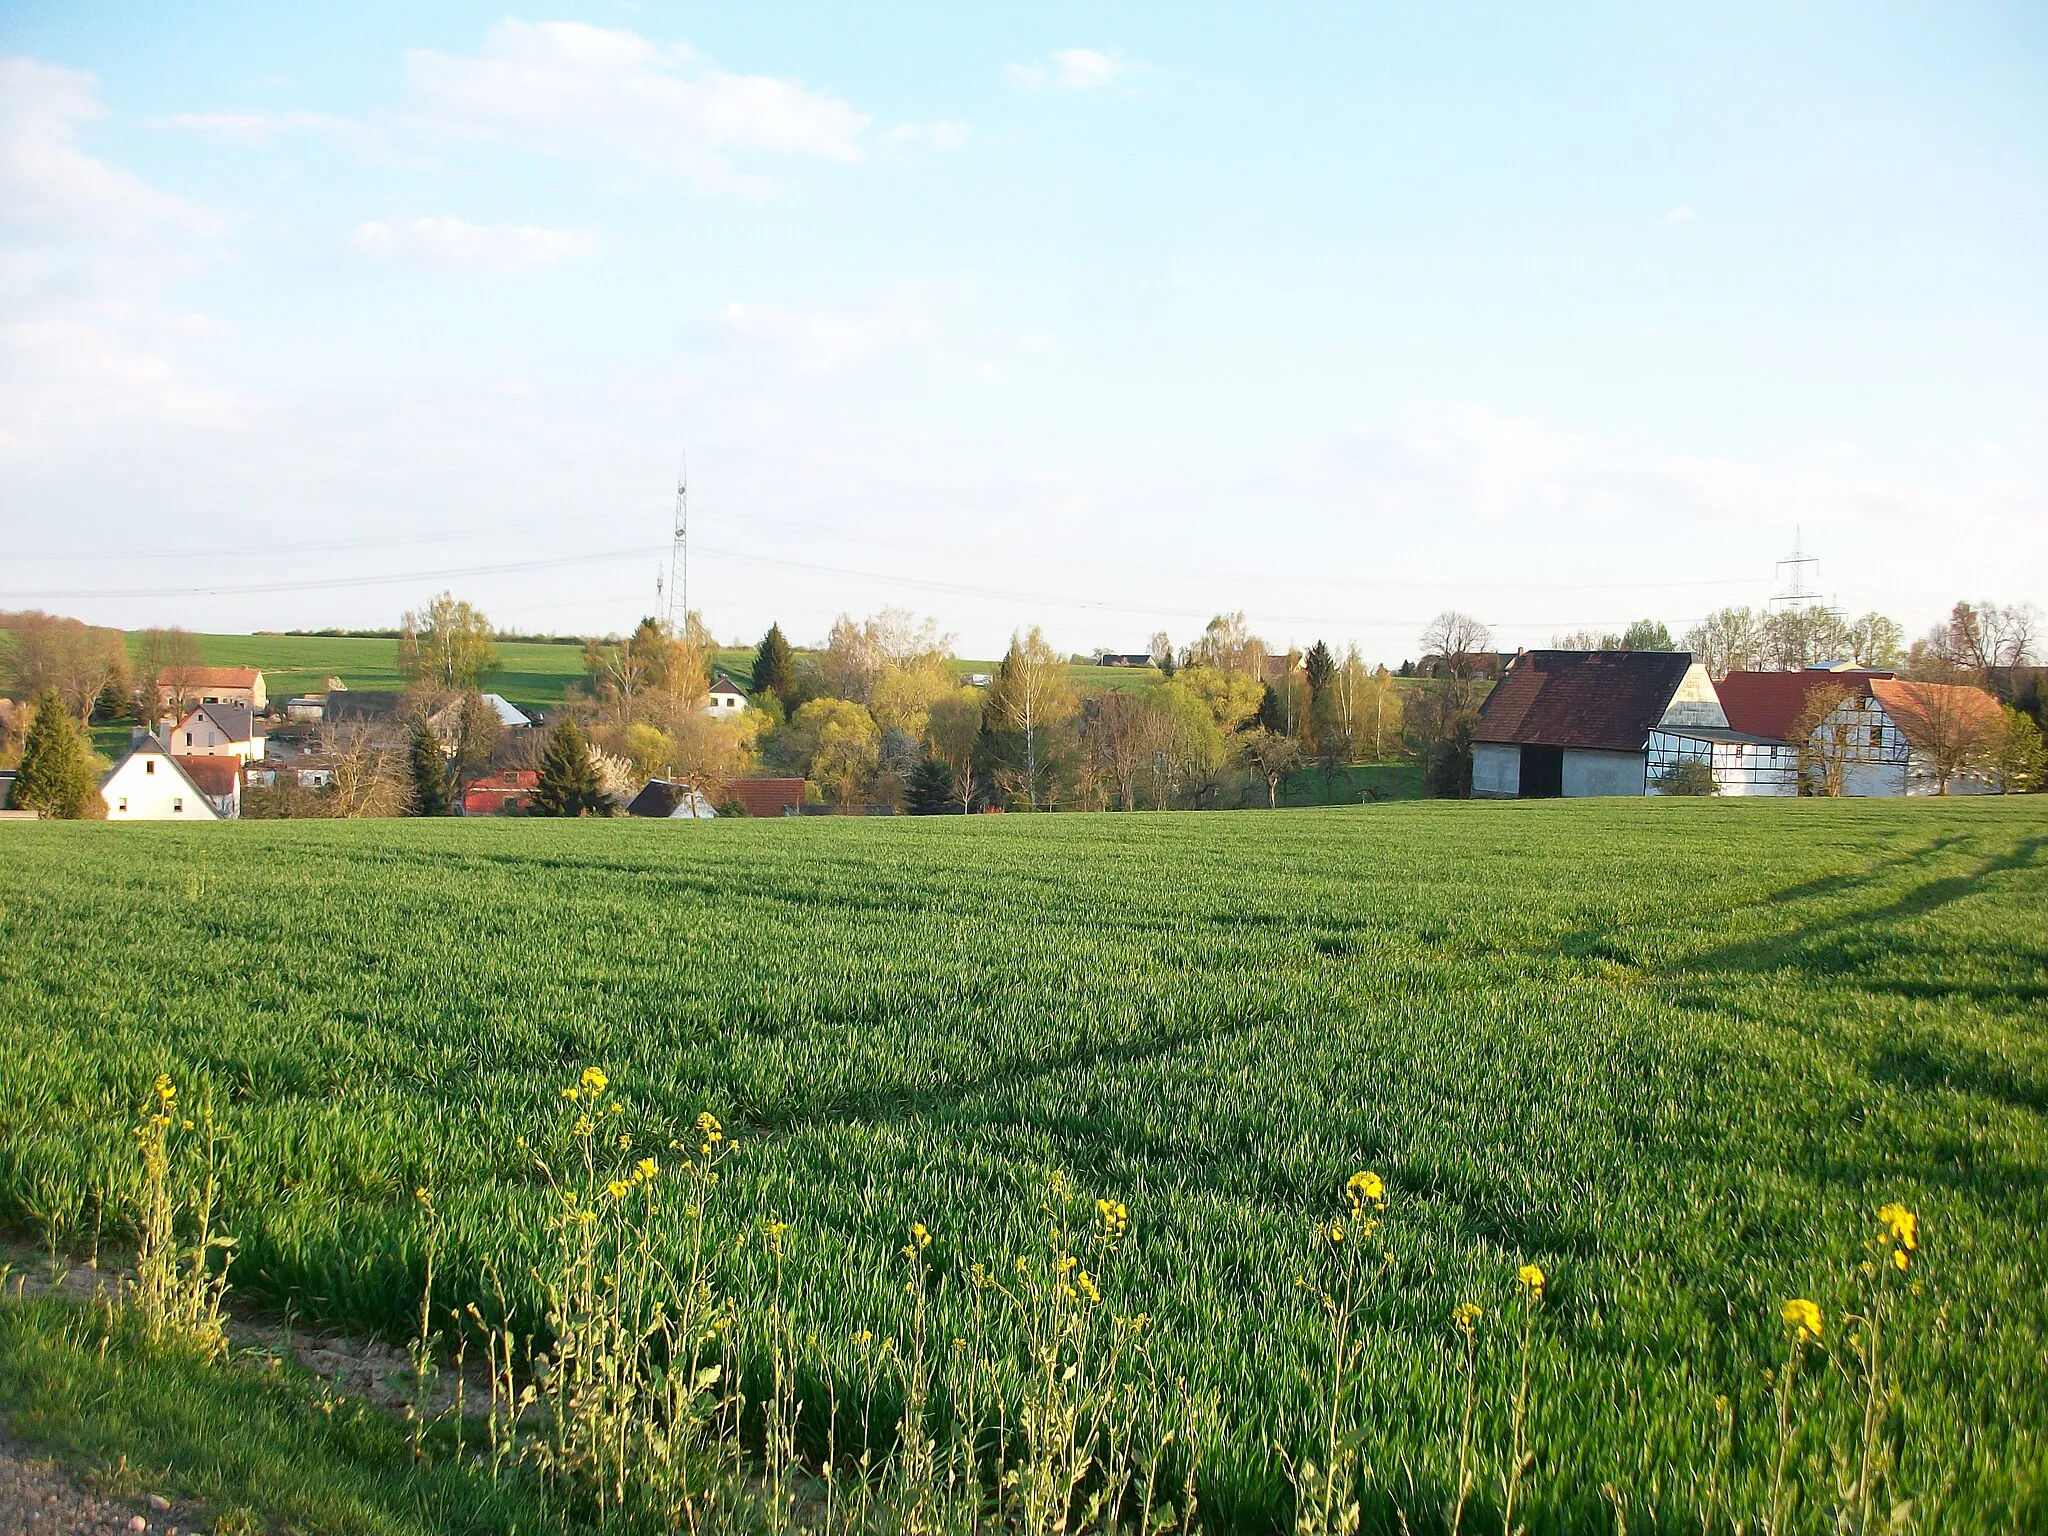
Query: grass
x: 293, y: 664
x: 1353, y: 785
x: 263, y: 1447
x: 1677, y: 1053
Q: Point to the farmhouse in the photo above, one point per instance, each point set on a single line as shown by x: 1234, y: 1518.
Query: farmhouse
x: 215, y: 730
x: 501, y: 794
x: 1573, y: 723
x: 214, y: 685
x: 149, y: 785
x: 672, y: 800
x: 726, y: 699
x: 1884, y: 735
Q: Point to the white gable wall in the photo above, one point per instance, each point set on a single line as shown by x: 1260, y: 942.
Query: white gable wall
x: 148, y: 786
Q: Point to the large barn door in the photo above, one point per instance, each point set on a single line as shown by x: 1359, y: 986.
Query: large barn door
x: 1542, y: 773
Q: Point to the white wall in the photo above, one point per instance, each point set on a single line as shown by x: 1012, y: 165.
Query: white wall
x: 1496, y: 771
x: 1696, y: 702
x: 1588, y: 772
x: 147, y: 786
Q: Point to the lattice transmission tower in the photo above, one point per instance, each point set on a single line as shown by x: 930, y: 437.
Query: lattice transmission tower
x: 679, y: 555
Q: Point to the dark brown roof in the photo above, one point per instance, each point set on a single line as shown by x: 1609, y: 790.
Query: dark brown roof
x: 1603, y: 700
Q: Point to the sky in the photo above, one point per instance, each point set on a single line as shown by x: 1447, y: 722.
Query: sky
x: 1105, y: 318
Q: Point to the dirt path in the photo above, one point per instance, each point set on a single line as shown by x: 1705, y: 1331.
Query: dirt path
x: 39, y: 1498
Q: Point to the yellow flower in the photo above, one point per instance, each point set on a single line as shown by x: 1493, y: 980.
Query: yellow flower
x: 1803, y: 1315
x: 593, y: 1081
x: 1335, y: 1233
x: 1899, y: 1257
x: 1085, y: 1284
x: 571, y: 1094
x: 919, y: 1235
x: 646, y: 1169
x: 1366, y: 1188
x: 1531, y: 1276
x: 1904, y: 1225
x: 582, y: 1126
x: 618, y: 1189
x: 1113, y: 1217
x: 1467, y: 1316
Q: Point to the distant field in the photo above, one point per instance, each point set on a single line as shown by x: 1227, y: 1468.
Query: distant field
x: 1676, y: 1052
x: 1359, y: 783
x: 294, y: 664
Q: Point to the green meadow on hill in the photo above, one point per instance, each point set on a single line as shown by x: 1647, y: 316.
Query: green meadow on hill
x: 1677, y: 1053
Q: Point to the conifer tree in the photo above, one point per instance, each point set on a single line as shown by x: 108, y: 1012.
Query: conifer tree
x: 56, y: 778
x: 429, y: 771
x: 568, y: 780
x: 930, y: 790
x: 773, y: 670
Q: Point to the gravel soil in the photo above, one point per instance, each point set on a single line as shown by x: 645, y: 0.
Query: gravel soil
x: 39, y: 1498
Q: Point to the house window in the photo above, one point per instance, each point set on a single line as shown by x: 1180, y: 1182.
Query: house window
x: 178, y: 805
x: 188, y: 738
x: 122, y: 807
x: 149, y: 765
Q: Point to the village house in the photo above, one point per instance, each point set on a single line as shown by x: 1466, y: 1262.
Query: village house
x: 220, y: 780
x: 767, y: 797
x: 1578, y: 723
x: 1885, y: 735
x: 214, y: 685
x: 148, y: 784
x: 672, y: 800
x: 215, y: 730
x: 727, y: 699
x: 501, y: 794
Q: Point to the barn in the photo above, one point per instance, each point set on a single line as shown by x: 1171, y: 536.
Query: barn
x: 1576, y: 723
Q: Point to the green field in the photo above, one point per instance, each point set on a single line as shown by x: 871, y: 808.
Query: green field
x: 294, y: 664
x: 1676, y: 1052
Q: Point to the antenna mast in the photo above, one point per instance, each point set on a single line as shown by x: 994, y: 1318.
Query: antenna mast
x: 679, y: 554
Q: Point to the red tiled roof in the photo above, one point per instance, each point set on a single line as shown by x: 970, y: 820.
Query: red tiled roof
x: 219, y: 677
x: 766, y: 797
x: 1603, y: 700
x: 215, y: 776
x: 1769, y: 704
x: 1914, y: 706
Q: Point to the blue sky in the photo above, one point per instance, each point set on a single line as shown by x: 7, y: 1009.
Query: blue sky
x: 1104, y: 318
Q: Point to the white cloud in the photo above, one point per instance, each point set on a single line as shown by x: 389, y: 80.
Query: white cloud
x: 809, y: 340
x: 1682, y: 214
x: 1072, y: 69
x: 49, y: 187
x: 946, y: 135
x: 450, y: 242
x: 608, y: 95
x: 258, y: 127
x: 85, y: 329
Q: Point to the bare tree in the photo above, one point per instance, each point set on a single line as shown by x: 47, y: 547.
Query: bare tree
x: 1950, y: 729
x: 1824, y: 744
x: 367, y: 777
x: 1725, y: 641
x: 954, y: 728
x: 71, y: 659
x: 1457, y: 641
x: 1119, y: 733
x: 1272, y: 755
x: 167, y: 671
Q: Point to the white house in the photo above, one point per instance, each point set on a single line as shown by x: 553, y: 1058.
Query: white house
x: 1576, y: 723
x: 727, y: 700
x: 1887, y: 734
x: 148, y: 785
x: 216, y: 730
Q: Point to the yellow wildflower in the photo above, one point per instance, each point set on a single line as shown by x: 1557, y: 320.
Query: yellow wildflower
x: 1802, y: 1315
x: 618, y: 1189
x: 646, y: 1169
x: 593, y: 1081
x: 1366, y: 1188
x: 919, y: 1235
x: 1467, y: 1316
x: 1531, y: 1276
x: 1114, y: 1219
x: 1085, y: 1284
x: 1899, y: 1257
x: 1904, y: 1225
x: 1335, y: 1233
x: 583, y: 1126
